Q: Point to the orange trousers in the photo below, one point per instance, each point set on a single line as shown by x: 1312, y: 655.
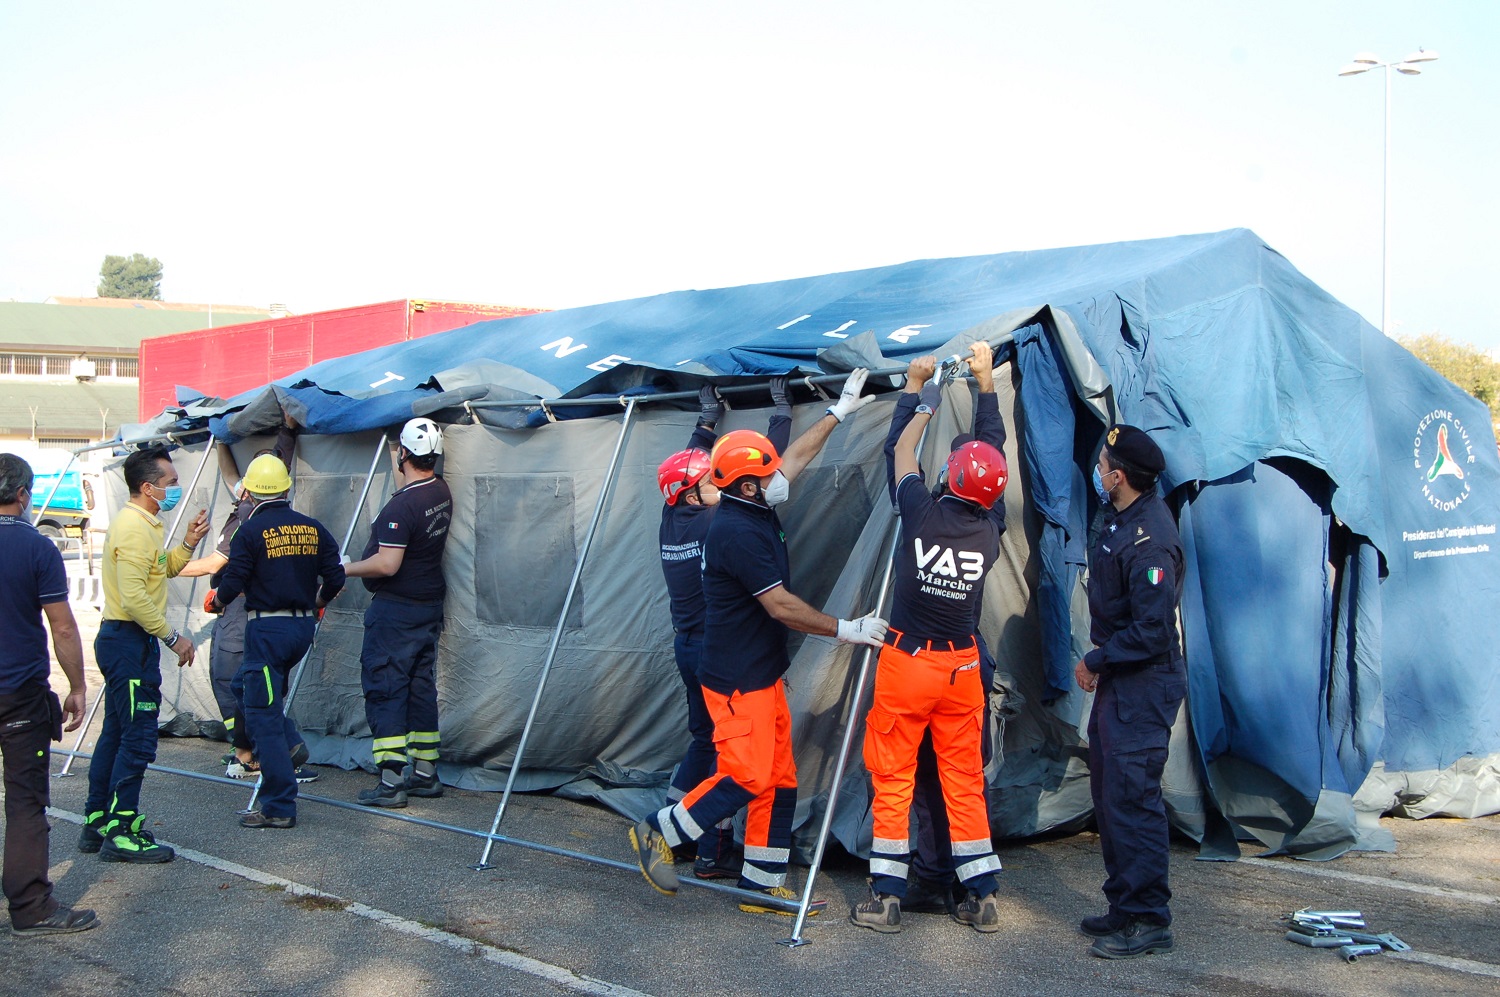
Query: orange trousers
x: 940, y: 690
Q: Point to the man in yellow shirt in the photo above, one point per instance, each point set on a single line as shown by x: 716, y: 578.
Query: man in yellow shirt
x: 134, y: 573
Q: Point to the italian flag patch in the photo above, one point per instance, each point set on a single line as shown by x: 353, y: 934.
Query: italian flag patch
x: 1154, y: 575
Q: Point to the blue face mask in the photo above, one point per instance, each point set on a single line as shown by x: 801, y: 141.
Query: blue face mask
x: 171, y: 495
x: 1099, y: 488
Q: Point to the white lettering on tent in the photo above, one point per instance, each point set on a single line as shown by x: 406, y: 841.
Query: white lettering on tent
x: 788, y: 325
x: 389, y: 377
x: 613, y: 360
x: 839, y: 332
x: 907, y: 332
x: 564, y: 346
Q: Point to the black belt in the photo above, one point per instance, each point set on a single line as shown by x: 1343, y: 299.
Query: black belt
x: 914, y: 645
x: 256, y: 614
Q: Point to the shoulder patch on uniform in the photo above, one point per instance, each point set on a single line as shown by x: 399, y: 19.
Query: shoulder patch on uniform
x: 1155, y: 575
x: 392, y: 526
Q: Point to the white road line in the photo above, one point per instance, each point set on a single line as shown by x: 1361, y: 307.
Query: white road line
x: 1447, y: 962
x: 510, y: 960
x: 1310, y: 869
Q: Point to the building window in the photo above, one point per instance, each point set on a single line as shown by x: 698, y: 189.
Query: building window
x: 27, y: 365
x: 51, y: 365
x: 59, y: 366
x: 62, y: 442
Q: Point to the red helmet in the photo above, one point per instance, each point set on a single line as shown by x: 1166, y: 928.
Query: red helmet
x: 977, y: 472
x: 741, y: 452
x: 681, y: 471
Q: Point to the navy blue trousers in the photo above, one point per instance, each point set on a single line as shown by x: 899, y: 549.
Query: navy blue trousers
x: 130, y: 660
x: 932, y: 859
x: 1128, y: 732
x: 273, y: 646
x: 397, y: 672
x: 700, y: 760
x: 224, y: 660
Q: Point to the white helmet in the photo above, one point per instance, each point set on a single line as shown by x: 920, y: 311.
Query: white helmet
x: 422, y: 437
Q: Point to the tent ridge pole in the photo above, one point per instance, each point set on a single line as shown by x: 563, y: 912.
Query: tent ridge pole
x: 536, y: 700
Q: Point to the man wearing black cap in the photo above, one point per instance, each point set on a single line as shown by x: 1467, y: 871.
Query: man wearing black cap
x: 1137, y: 671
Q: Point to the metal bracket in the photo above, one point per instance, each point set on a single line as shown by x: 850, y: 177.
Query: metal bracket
x: 1351, y: 953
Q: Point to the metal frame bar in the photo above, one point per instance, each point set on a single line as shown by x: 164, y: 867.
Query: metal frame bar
x: 605, y: 489
x: 300, y: 667
x: 88, y: 719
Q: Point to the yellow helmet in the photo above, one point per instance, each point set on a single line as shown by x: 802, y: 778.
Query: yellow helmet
x: 267, y: 475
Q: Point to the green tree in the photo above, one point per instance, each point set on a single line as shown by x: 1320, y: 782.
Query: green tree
x: 134, y: 276
x: 1466, y: 366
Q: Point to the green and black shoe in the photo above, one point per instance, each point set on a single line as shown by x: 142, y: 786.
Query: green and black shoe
x: 89, y: 839
x: 126, y: 841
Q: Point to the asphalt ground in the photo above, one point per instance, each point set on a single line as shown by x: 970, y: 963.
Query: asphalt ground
x: 360, y: 903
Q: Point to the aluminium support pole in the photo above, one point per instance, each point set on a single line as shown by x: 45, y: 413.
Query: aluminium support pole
x: 88, y: 719
x: 562, y: 618
x: 359, y: 508
x: 72, y: 459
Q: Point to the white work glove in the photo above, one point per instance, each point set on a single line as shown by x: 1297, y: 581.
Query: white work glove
x: 345, y: 559
x: 865, y: 630
x: 850, y: 401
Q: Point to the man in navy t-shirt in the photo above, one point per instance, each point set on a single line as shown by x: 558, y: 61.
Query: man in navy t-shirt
x: 32, y: 584
x: 403, y: 566
x: 690, y: 501
x: 749, y: 609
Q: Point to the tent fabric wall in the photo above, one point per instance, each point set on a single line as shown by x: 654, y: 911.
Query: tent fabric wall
x: 1303, y: 457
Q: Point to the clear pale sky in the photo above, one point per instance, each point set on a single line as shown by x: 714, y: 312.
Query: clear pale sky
x: 552, y: 154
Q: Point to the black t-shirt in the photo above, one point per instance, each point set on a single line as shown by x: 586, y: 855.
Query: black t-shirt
x: 415, y: 519
x: 683, y: 530
x: 947, y: 546
x: 31, y: 576
x: 744, y: 648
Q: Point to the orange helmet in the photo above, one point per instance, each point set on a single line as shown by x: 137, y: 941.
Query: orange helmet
x: 681, y: 471
x: 977, y: 473
x: 742, y: 452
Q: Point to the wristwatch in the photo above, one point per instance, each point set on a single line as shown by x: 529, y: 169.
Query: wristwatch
x: 923, y: 410
x: 171, y: 639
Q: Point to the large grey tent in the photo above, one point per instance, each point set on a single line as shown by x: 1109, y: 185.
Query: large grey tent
x: 1338, y: 501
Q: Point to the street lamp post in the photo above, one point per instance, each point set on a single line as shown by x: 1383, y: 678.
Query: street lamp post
x: 1363, y: 63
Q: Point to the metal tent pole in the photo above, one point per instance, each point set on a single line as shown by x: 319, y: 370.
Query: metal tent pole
x: 88, y: 719
x: 359, y: 508
x: 72, y: 459
x: 562, y: 618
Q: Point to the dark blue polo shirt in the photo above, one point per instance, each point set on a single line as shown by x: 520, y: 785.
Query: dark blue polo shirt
x: 744, y: 648
x: 415, y: 519
x: 276, y: 559
x: 1135, y: 583
x: 31, y: 576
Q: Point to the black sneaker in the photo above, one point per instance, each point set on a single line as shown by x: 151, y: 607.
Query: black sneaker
x: 1104, y: 924
x: 708, y: 867
x: 64, y: 921
x: 258, y: 820
x: 420, y: 785
x: 654, y: 856
x: 89, y: 839
x: 927, y: 897
x: 979, y: 913
x: 1137, y: 938
x: 882, y: 913
x: 305, y: 773
x: 384, y: 795
x: 123, y: 846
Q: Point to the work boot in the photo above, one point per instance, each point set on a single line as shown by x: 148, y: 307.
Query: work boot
x: 882, y: 913
x: 780, y: 893
x: 258, y: 820
x: 927, y: 897
x: 1137, y: 938
x: 424, y: 785
x: 654, y: 856
x: 979, y: 913
x: 122, y: 845
x: 89, y: 839
x: 708, y: 867
x: 385, y: 794
x: 64, y: 921
x: 1103, y: 924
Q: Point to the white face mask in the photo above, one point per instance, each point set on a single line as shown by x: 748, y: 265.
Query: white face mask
x: 778, y: 490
